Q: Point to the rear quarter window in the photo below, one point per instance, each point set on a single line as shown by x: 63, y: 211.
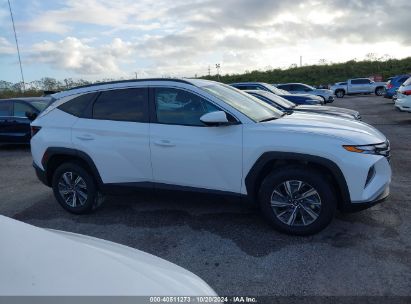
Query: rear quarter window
x: 78, y: 105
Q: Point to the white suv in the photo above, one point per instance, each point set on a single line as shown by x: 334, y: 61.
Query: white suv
x: 198, y: 135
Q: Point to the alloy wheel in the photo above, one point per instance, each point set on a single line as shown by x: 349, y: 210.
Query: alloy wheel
x: 296, y: 203
x: 73, y: 189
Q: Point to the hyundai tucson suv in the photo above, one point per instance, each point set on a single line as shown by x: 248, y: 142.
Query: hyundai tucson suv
x: 301, y: 99
x: 204, y: 136
x: 290, y: 107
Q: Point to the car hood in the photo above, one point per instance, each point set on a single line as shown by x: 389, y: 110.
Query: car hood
x: 307, y: 96
x: 349, y: 131
x: 299, y: 97
x: 36, y: 261
x: 328, y: 109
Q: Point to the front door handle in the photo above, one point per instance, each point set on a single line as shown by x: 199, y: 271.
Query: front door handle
x: 85, y: 137
x: 164, y: 143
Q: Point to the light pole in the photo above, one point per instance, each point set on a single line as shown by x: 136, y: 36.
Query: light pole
x: 17, y: 45
x: 218, y: 66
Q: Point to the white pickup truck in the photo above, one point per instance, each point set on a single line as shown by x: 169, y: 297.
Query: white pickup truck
x: 358, y: 86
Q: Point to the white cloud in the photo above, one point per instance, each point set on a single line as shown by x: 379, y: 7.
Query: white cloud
x: 73, y: 55
x: 6, y: 47
x: 183, y: 37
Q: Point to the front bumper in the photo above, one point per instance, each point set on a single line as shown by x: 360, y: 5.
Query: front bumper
x: 41, y: 175
x: 358, y: 206
x: 403, y: 104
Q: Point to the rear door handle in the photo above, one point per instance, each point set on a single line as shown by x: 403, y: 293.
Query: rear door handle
x: 164, y: 143
x: 85, y: 137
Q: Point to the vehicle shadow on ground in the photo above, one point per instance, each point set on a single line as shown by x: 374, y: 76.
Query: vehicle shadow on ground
x: 230, y: 219
x: 16, y: 147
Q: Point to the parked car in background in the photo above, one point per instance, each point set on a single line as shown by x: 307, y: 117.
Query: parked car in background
x: 301, y: 88
x: 39, y: 262
x: 393, y: 85
x: 14, y: 123
x: 205, y: 136
x: 290, y: 107
x: 403, y: 100
x: 358, y: 86
x: 302, y: 99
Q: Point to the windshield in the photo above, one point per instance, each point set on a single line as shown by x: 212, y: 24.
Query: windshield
x: 250, y: 106
x: 276, y: 91
x: 408, y: 82
x: 308, y: 86
x: 282, y: 102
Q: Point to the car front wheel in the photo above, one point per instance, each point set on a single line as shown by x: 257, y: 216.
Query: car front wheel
x: 339, y: 93
x: 75, y: 189
x: 297, y: 200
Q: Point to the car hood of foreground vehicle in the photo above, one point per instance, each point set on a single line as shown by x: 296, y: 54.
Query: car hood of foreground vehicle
x: 36, y: 261
x: 348, y: 130
x: 329, y: 110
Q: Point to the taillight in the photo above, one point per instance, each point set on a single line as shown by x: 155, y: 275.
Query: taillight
x: 406, y: 92
x: 34, y: 130
x: 389, y: 86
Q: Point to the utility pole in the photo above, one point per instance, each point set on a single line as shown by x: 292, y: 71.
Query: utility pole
x: 301, y: 61
x: 209, y: 71
x: 136, y: 75
x: 17, y: 46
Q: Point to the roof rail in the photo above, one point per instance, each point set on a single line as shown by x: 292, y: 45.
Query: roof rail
x: 130, y: 80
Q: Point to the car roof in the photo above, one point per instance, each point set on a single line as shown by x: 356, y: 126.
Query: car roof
x: 261, y: 92
x: 130, y: 83
x: 292, y: 83
x: 248, y: 82
x: 27, y: 99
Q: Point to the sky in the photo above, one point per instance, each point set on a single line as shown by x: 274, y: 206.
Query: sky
x: 114, y: 39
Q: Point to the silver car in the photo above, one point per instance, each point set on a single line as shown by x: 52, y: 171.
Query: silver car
x: 301, y: 88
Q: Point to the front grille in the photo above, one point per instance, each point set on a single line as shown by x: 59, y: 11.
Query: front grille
x: 384, y: 149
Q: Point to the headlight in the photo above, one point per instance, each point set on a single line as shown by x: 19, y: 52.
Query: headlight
x: 382, y: 149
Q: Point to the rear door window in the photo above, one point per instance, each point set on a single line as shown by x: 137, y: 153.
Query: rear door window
x: 5, y: 108
x: 122, y: 105
x: 20, y: 109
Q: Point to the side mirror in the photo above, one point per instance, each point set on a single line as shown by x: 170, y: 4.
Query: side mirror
x: 31, y: 115
x: 217, y: 118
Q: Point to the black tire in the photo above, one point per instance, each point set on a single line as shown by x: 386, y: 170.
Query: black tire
x: 88, y: 186
x: 323, y: 98
x: 339, y: 93
x: 310, y: 177
x: 379, y: 91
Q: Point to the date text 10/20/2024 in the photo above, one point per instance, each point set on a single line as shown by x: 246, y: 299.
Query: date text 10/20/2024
x: 203, y: 299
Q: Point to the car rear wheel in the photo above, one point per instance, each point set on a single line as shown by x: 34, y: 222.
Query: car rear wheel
x: 379, y: 91
x: 75, y: 189
x: 297, y: 201
x: 339, y: 93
